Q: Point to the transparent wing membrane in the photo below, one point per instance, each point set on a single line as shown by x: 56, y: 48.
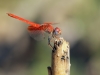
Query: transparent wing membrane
x: 37, y: 34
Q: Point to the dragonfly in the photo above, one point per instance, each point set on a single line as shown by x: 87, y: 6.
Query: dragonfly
x: 37, y: 30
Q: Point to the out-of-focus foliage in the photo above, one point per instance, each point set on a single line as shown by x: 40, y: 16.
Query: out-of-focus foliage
x: 79, y: 21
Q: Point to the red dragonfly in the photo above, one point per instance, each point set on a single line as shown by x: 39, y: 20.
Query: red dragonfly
x: 37, y: 30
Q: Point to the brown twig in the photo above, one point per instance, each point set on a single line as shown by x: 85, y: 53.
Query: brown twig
x: 60, y: 58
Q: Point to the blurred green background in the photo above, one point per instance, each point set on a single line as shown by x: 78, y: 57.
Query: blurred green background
x: 79, y: 21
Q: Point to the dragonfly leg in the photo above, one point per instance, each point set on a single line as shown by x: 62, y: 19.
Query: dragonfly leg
x: 49, y: 42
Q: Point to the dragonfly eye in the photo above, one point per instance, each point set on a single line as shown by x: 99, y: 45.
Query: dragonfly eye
x: 56, y: 32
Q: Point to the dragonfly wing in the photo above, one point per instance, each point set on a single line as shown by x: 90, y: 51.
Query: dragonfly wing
x: 36, y: 33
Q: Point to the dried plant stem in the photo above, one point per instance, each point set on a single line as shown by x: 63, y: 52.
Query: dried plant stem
x: 60, y: 58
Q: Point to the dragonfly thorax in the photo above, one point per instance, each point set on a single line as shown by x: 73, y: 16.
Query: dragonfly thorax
x: 47, y: 27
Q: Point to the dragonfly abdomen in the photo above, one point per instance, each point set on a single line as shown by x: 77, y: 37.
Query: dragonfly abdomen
x: 24, y: 20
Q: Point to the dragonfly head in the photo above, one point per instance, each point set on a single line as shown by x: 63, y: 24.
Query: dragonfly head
x: 56, y: 32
